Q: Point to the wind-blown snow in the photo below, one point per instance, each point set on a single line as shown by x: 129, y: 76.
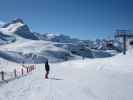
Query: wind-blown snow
x: 89, y: 79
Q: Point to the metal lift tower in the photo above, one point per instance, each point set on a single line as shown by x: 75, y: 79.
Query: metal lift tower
x: 124, y: 34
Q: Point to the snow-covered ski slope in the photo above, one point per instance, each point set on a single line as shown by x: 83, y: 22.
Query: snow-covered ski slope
x: 89, y: 79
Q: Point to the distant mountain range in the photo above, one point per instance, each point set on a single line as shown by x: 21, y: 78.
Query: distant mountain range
x: 19, y: 44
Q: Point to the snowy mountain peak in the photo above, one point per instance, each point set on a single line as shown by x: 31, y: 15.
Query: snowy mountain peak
x: 18, y: 20
x: 15, y: 27
x: 52, y: 35
x: 15, y: 21
x: 12, y: 26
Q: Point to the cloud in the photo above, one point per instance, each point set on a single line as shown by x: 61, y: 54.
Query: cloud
x: 1, y: 22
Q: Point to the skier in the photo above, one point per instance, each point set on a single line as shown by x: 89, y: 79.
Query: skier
x: 47, y: 69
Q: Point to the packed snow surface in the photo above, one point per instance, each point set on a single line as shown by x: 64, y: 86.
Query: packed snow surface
x: 89, y: 79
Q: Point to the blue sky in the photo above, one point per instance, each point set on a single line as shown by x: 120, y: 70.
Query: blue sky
x: 85, y: 19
